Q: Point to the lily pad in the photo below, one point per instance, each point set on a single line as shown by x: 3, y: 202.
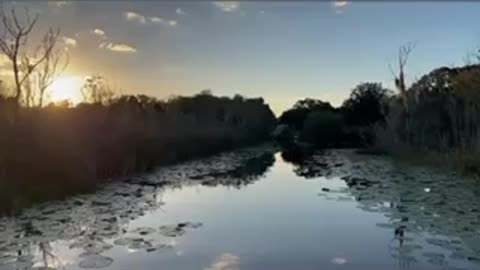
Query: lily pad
x: 144, y: 230
x: 95, y: 261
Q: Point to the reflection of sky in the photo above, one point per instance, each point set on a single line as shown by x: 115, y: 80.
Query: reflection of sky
x: 276, y: 223
x: 282, y: 51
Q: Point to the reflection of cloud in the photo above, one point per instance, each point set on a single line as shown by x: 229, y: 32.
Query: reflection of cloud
x: 227, y: 6
x: 226, y: 261
x: 179, y: 11
x: 69, y: 41
x: 118, y: 47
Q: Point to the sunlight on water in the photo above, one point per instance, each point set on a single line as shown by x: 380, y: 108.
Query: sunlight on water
x: 253, y: 210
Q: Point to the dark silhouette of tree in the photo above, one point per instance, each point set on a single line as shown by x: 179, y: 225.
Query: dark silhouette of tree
x: 322, y: 128
x: 296, y: 116
x: 366, y: 105
x: 443, y: 111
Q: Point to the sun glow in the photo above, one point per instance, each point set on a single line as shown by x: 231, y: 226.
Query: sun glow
x: 66, y: 88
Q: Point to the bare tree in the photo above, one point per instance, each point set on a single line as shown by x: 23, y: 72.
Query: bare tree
x: 403, y: 55
x: 48, y: 72
x: 13, y: 43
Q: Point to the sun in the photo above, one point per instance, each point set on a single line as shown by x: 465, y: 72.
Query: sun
x: 66, y: 88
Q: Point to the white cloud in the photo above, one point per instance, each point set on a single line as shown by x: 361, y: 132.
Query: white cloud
x: 136, y: 17
x: 59, y: 3
x: 227, y: 6
x: 156, y: 20
x: 118, y: 47
x: 69, y: 41
x: 339, y: 3
x: 180, y: 11
x: 133, y: 16
x: 4, y: 60
x: 227, y: 261
x: 98, y: 32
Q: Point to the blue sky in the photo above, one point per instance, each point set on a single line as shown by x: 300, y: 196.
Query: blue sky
x: 282, y: 51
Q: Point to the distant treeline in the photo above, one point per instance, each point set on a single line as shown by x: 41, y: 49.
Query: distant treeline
x: 319, y: 124
x: 55, y: 150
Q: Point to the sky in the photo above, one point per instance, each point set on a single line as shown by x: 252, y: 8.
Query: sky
x: 282, y: 51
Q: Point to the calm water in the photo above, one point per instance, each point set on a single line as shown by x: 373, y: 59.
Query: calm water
x: 254, y: 210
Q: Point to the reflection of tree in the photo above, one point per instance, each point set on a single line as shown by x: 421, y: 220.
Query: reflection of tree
x: 425, y: 208
x: 294, y: 155
x: 48, y: 257
x: 311, y: 166
x: 250, y: 171
x: 90, y: 221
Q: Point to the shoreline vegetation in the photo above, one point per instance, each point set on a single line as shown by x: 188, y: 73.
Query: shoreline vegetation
x: 58, y: 150
x: 53, y: 150
x: 435, y: 121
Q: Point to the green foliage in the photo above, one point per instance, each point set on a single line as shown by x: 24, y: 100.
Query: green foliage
x: 322, y: 129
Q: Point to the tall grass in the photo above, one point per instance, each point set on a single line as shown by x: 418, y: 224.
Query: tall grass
x: 52, y: 151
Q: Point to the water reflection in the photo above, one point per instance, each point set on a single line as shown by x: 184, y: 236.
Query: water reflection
x: 433, y: 216
x: 250, y: 171
x: 189, y: 217
x: 93, y: 224
x: 308, y: 165
x: 226, y: 261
